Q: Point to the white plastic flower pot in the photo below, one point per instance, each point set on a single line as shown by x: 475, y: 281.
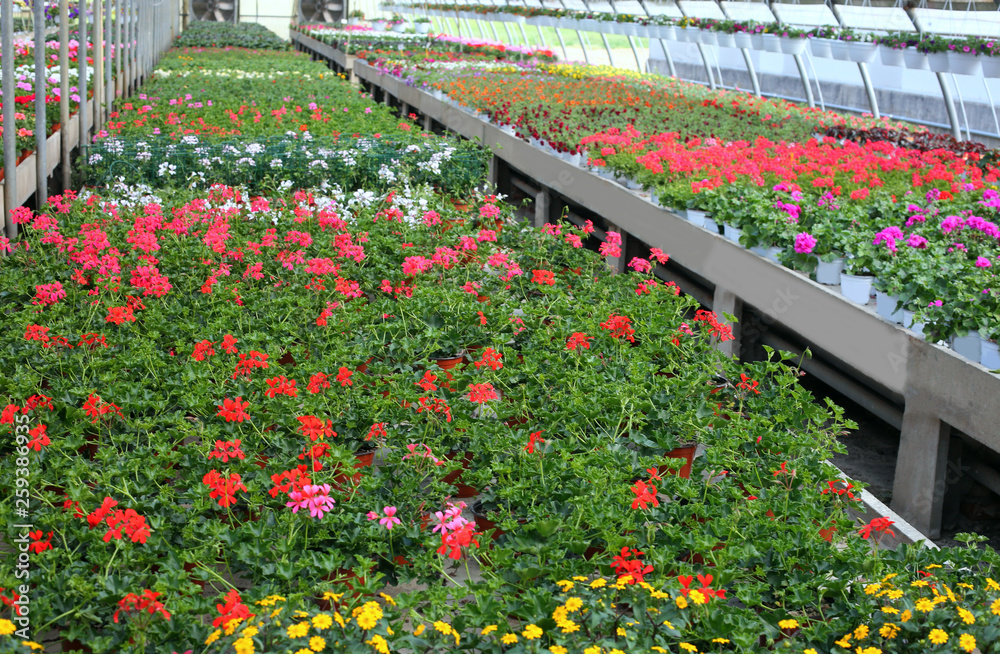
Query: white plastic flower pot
x: 938, y: 62
x: 757, y: 41
x: 891, y: 56
x: 725, y: 40
x: 773, y: 252
x: 915, y: 327
x: 795, y: 46
x: 989, y: 354
x: 828, y: 272
x: 697, y: 217
x: 423, y: 28
x: 711, y: 225
x: 968, y: 346
x: 856, y: 288
x: 742, y: 40
x: 961, y: 63
x: 886, y: 305
x: 732, y: 233
x: 821, y: 48
x: 708, y: 37
x: 914, y: 59
x: 862, y: 52
x: 840, y: 50
x: 990, y: 65
x: 668, y: 32
x: 771, y: 42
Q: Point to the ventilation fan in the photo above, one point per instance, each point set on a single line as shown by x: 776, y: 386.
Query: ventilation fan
x: 222, y: 11
x: 322, y: 11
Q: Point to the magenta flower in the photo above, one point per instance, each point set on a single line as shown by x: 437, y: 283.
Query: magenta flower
x: 983, y: 262
x: 640, y: 265
x: 314, y: 497
x: 804, y: 243
x: 916, y: 241
x: 390, y: 519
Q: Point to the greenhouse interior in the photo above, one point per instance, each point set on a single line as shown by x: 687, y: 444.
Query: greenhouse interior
x: 501, y: 326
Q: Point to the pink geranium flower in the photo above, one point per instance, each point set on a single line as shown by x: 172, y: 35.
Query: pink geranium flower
x: 314, y: 497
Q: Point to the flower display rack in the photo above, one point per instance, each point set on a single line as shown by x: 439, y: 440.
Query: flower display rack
x: 940, y: 390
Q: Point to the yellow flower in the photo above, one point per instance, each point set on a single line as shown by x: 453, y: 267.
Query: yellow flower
x: 509, y: 639
x: 868, y: 650
x: 32, y: 644
x: 340, y: 620
x: 298, y: 630
x: 720, y: 640
x: 657, y: 648
x: 303, y: 651
x: 250, y: 632
x: 7, y: 627
x: 565, y: 584
x: 681, y: 602
x: 688, y: 647
x: 905, y: 616
x: 992, y: 585
x: 658, y: 594
x: 243, y: 645
x: 895, y: 594
x: 331, y: 596
x: 598, y: 583
x: 212, y: 637
x: 809, y: 651
x: 558, y: 649
x: 322, y: 621
x: 532, y: 632
x: 592, y: 650
x: 669, y: 625
x: 861, y: 632
x: 967, y: 642
x: 924, y: 605
x: 888, y: 630
x: 579, y: 578
x: 698, y: 597
x: 316, y: 643
x: 844, y: 642
x: 487, y: 630
x: 919, y: 583
x: 891, y: 610
x: 966, y: 615
x: 568, y: 626
x: 616, y: 651
x: 230, y: 627
x: 447, y: 630
x: 621, y: 632
x: 788, y: 624
x: 871, y: 589
x: 388, y: 598
x: 937, y: 637
x: 379, y: 643
x: 574, y: 604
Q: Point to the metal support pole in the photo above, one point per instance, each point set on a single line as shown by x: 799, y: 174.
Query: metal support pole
x: 64, y: 89
x: 524, y: 33
x: 583, y: 44
x: 708, y: 66
x: 754, y: 82
x: 493, y: 28
x: 635, y: 52
x: 127, y: 63
x: 506, y: 27
x: 805, y: 80
x: 961, y: 103
x: 119, y: 51
x: 869, y: 89
x: 993, y: 108
x: 109, y: 57
x: 541, y: 36
x: 9, y: 132
x: 98, y: 65
x: 562, y: 43
x: 82, y: 68
x: 41, y: 128
x: 607, y: 46
x: 670, y: 60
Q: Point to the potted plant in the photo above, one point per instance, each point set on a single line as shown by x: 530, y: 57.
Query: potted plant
x: 356, y: 17
x: 422, y: 24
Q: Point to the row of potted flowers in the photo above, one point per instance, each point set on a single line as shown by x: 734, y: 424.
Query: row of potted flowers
x: 967, y: 55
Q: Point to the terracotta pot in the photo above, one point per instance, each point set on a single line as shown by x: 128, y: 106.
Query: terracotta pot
x: 74, y: 645
x: 698, y: 559
x: 461, y: 490
x: 685, y: 452
x: 448, y: 365
x: 363, y: 368
x: 364, y: 460
x: 343, y: 576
